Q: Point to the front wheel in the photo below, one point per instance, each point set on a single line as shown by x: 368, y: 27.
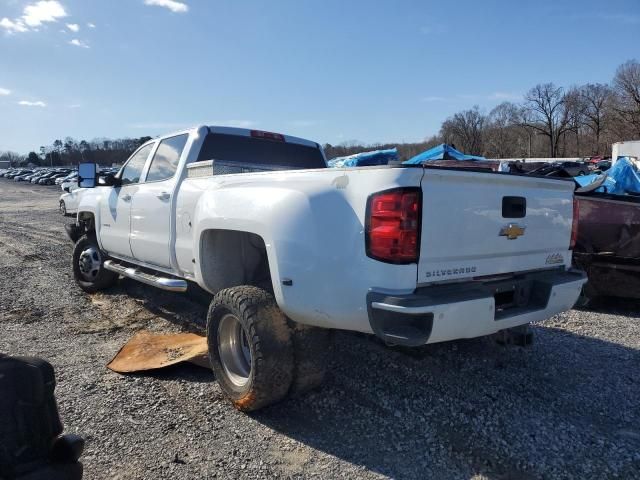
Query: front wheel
x: 88, y: 265
x: 63, y: 208
x: 250, y: 347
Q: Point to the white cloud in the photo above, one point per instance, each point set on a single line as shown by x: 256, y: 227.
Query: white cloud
x: 26, y: 103
x: 34, y: 15
x: 12, y: 26
x: 74, y: 27
x: 91, y: 25
x: 43, y: 11
x: 4, y: 91
x: 173, y: 5
x: 78, y: 43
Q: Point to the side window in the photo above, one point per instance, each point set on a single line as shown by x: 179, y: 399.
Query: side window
x: 165, y: 161
x: 133, y: 169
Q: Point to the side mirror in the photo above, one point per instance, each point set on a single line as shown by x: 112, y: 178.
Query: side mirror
x: 87, y: 175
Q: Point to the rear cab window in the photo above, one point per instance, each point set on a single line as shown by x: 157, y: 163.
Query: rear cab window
x: 165, y: 161
x: 240, y: 153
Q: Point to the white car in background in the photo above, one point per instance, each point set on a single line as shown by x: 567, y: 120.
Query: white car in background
x: 69, y: 181
x: 69, y: 201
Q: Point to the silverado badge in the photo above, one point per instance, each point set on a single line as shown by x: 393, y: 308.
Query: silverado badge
x: 512, y: 231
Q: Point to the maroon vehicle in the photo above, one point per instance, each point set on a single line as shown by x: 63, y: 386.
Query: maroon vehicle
x: 608, y: 244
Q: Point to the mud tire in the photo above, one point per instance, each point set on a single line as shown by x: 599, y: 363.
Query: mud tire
x: 311, y: 346
x: 268, y: 337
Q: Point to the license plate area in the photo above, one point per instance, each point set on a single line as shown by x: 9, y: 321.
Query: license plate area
x: 514, y: 296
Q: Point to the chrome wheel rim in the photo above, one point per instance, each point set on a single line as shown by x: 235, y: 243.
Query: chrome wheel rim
x: 63, y: 209
x: 90, y: 263
x: 235, y: 353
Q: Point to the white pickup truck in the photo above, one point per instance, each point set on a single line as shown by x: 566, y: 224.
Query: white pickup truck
x: 291, y: 249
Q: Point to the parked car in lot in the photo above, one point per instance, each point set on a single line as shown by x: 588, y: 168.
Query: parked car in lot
x: 71, y: 176
x: 44, y: 177
x: 563, y: 169
x: 51, y: 180
x: 68, y: 203
x: 17, y: 172
x: 603, y: 165
x: 22, y: 176
x: 73, y: 183
x: 37, y: 176
x: 290, y: 249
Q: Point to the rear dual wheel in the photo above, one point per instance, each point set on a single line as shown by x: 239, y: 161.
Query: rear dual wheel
x: 257, y: 355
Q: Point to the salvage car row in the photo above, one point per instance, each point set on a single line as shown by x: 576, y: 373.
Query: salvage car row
x: 40, y: 176
x: 67, y: 178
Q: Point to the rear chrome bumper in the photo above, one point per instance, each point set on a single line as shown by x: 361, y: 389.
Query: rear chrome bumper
x: 472, y: 309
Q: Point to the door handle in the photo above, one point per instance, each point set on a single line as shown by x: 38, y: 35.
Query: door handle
x: 126, y: 198
x: 164, y: 196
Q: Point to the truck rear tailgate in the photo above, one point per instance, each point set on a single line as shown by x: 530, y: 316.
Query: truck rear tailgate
x: 482, y: 224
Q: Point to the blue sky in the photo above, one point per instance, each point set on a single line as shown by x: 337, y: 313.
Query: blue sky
x: 329, y: 70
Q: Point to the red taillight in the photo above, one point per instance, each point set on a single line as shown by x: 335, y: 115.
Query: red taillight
x: 574, y: 224
x: 278, y: 137
x: 393, y: 225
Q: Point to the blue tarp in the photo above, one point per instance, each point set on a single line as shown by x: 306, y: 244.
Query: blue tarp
x: 441, y: 152
x: 622, y: 177
x: 365, y: 159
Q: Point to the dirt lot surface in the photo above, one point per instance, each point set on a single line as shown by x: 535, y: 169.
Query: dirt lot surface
x: 567, y: 407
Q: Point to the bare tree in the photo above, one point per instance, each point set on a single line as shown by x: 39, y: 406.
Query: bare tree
x: 546, y: 104
x: 502, y: 134
x: 466, y: 130
x: 626, y: 84
x: 12, y: 157
x: 597, y: 106
x: 574, y: 106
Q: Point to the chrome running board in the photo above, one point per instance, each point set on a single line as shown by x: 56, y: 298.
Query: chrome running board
x: 164, y: 283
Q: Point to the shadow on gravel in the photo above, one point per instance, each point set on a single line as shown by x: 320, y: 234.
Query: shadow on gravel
x: 567, y: 406
x: 614, y: 306
x: 184, y: 372
x: 189, y: 311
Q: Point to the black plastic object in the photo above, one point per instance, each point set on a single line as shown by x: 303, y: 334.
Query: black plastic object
x: 30, y: 443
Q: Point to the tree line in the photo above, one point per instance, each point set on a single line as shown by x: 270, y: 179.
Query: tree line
x: 69, y: 151
x: 550, y: 121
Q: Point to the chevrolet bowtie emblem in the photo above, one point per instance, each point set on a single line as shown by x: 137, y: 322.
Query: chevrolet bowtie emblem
x: 512, y: 231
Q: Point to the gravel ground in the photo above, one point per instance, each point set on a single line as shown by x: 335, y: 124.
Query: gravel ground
x: 567, y: 407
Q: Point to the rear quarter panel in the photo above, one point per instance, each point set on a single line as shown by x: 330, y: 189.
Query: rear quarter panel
x: 312, y: 223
